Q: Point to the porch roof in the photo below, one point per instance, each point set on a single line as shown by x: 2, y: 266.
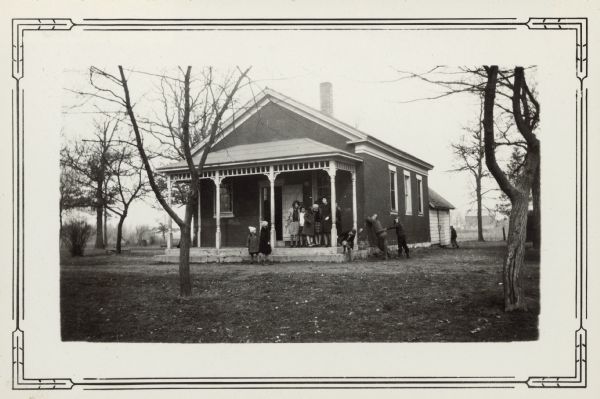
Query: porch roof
x: 272, y: 151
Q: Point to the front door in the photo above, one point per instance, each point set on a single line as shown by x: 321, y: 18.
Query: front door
x: 265, y: 210
x: 290, y: 193
x: 278, y: 211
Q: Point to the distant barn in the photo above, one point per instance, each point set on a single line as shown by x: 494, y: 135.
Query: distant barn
x: 487, y: 219
x: 439, y: 218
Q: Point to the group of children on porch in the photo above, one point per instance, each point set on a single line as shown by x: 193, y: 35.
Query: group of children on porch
x: 311, y: 226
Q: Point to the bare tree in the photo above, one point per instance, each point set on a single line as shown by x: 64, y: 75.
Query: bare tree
x: 72, y: 194
x: 526, y: 113
x: 470, y: 157
x: 473, y: 80
x: 192, y: 113
x: 90, y: 161
x: 128, y: 183
x: 510, y: 117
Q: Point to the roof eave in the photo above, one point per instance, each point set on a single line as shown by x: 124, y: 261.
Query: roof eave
x: 443, y: 208
x: 393, y: 150
x: 167, y: 169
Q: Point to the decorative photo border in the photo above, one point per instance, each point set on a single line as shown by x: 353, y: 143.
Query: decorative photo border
x: 20, y: 26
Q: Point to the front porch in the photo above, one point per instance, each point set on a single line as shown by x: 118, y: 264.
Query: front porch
x: 245, y: 184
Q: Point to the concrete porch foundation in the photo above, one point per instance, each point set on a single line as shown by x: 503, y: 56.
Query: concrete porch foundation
x: 279, y: 255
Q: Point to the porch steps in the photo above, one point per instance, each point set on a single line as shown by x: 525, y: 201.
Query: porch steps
x: 279, y: 255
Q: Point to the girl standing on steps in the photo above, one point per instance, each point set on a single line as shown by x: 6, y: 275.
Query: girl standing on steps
x: 264, y: 242
x: 293, y: 224
x: 301, y: 235
x: 308, y: 230
x: 318, y: 231
x: 252, y: 243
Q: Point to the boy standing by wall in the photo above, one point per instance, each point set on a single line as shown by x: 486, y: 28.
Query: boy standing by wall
x: 401, y: 236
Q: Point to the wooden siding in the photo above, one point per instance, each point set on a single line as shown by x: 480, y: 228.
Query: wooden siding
x: 439, y: 224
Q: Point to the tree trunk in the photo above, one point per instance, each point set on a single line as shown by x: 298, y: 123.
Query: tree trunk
x: 479, y: 205
x: 104, y: 229
x: 99, y: 218
x: 185, y: 284
x: 537, y: 214
x: 120, y: 232
x: 517, y: 230
x: 519, y: 194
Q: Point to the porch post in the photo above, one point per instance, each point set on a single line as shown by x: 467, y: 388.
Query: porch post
x: 169, y: 218
x: 217, y: 181
x: 272, y: 178
x: 199, y: 217
x: 354, y: 213
x: 332, y: 171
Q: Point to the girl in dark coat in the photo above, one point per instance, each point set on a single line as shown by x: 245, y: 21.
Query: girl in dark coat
x: 308, y: 229
x: 264, y: 243
x: 318, y: 226
x: 325, y: 222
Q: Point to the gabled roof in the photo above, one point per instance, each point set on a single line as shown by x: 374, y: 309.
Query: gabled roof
x: 353, y: 135
x: 436, y: 201
x: 271, y: 151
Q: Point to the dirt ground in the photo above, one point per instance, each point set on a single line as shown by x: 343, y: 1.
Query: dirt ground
x: 437, y: 295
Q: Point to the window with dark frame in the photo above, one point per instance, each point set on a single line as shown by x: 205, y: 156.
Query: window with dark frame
x: 226, y: 199
x: 393, y: 191
x: 420, y: 194
x: 407, y: 193
x: 323, y: 187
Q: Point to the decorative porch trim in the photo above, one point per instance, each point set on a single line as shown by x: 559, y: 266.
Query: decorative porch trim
x: 265, y: 169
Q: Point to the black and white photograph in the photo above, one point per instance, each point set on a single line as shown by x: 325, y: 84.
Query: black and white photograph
x: 263, y: 219
x: 219, y: 197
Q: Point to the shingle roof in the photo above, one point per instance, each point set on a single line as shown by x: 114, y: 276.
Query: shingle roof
x: 302, y: 148
x: 436, y: 201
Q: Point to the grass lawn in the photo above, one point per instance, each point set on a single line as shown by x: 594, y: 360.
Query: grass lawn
x: 437, y: 295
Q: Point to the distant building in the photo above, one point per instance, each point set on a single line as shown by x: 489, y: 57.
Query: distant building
x: 487, y: 219
x: 439, y: 218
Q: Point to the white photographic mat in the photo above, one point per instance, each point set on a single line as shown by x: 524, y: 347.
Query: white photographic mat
x: 50, y: 55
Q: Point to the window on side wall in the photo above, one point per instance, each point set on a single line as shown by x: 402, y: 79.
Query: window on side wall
x: 407, y: 193
x: 393, y: 189
x: 420, y: 194
x: 226, y: 199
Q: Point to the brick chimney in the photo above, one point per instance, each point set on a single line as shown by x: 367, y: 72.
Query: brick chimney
x: 326, y: 98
